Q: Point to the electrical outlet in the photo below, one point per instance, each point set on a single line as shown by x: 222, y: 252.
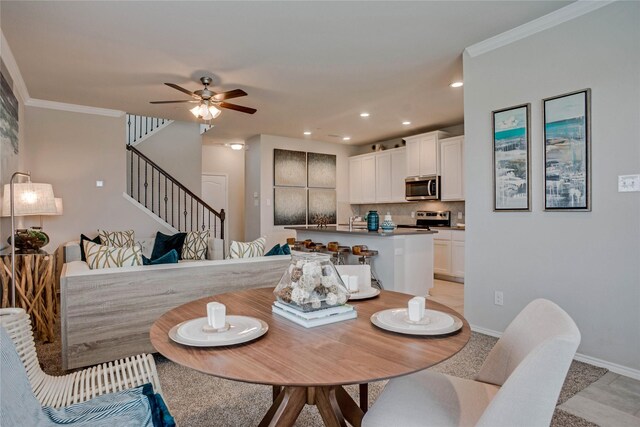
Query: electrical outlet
x: 498, y: 298
x: 413, y: 214
x: 459, y: 215
x: 628, y: 183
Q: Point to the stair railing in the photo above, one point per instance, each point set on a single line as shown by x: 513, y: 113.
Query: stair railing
x: 165, y: 196
x: 140, y: 126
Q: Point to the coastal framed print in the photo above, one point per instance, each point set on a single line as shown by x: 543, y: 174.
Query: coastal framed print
x: 511, y: 186
x: 567, y: 152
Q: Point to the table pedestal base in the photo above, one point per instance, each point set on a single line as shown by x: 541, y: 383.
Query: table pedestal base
x: 335, y: 405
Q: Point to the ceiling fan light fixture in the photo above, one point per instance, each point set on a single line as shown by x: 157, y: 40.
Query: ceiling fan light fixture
x: 196, y: 111
x: 215, y: 112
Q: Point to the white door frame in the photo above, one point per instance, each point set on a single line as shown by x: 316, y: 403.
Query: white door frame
x: 226, y: 180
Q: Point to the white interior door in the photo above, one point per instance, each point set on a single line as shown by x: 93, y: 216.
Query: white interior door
x: 214, y: 193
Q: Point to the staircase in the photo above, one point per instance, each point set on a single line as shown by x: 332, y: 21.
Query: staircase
x: 159, y: 193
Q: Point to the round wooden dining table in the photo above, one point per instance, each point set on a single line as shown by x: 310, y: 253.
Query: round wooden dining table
x: 310, y: 366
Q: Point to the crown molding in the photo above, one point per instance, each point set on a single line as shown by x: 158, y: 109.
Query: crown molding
x: 12, y: 67
x: 74, y: 108
x: 555, y: 18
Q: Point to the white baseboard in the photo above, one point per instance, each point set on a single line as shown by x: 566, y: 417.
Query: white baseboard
x: 149, y: 213
x: 613, y: 367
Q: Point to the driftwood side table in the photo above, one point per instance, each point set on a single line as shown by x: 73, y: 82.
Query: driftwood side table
x: 35, y: 288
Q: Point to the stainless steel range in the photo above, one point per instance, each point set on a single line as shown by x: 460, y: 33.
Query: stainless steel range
x: 426, y: 219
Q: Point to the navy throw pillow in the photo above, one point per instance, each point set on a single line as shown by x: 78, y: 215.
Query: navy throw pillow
x: 164, y: 243
x: 96, y: 239
x: 276, y: 250
x: 170, y: 257
x: 279, y: 250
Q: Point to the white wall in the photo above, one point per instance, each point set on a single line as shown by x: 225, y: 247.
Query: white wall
x: 251, y: 187
x: 71, y: 151
x: 260, y: 149
x: 178, y: 150
x: 587, y: 262
x: 218, y: 159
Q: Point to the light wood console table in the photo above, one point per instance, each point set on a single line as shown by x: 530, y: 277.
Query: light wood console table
x: 35, y: 289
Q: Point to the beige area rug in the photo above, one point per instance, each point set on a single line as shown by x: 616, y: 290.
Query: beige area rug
x: 197, y: 399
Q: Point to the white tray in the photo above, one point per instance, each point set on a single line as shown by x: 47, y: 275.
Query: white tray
x: 365, y: 293
x: 434, y: 323
x: 241, y: 329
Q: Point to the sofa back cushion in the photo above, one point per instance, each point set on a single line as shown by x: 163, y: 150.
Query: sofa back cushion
x: 164, y: 243
x: 100, y: 256
x: 118, y: 239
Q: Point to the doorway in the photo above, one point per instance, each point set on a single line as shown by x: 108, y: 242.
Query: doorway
x: 215, y: 193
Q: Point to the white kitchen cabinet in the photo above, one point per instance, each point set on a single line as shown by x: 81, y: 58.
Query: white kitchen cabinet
x: 355, y: 180
x: 448, y: 248
x: 383, y: 177
x: 423, y: 153
x: 398, y: 175
x: 377, y: 177
x: 369, y: 179
x: 442, y: 256
x: 452, y: 169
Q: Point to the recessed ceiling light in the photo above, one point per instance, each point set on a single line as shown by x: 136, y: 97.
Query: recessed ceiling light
x: 406, y: 122
x: 307, y: 132
x: 346, y: 138
x: 364, y: 114
x: 456, y: 84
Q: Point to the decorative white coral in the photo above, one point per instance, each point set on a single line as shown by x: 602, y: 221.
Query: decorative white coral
x: 332, y: 299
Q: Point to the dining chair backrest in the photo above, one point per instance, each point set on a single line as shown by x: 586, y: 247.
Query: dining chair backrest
x: 530, y: 362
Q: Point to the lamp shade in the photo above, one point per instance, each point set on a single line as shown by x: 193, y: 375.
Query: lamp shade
x: 59, y: 209
x: 30, y: 198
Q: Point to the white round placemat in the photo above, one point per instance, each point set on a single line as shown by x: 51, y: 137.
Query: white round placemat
x: 365, y: 293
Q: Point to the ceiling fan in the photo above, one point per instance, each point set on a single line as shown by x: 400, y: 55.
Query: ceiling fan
x: 208, y: 101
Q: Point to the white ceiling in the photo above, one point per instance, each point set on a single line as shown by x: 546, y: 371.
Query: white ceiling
x: 305, y: 65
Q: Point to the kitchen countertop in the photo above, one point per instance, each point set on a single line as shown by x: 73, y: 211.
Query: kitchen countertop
x: 345, y: 230
x: 450, y: 228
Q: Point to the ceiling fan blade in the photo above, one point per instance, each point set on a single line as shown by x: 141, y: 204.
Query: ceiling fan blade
x: 237, y: 108
x: 236, y: 93
x: 181, y: 89
x: 170, y: 102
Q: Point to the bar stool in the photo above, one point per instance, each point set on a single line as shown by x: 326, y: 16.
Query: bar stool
x: 365, y: 254
x: 338, y: 253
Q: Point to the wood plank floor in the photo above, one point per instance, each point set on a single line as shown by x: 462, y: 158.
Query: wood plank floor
x: 612, y: 401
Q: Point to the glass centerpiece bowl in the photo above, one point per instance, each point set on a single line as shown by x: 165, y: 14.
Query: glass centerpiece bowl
x: 311, y: 283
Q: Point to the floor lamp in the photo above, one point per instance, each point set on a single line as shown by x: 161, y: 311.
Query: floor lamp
x: 27, y: 198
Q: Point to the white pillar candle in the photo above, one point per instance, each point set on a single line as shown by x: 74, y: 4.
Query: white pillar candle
x: 353, y: 283
x: 345, y: 280
x: 416, y: 308
x: 216, y: 315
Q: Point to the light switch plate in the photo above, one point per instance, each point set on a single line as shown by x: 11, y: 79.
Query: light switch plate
x: 628, y: 183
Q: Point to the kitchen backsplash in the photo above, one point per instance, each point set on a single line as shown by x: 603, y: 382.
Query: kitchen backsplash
x: 401, y: 212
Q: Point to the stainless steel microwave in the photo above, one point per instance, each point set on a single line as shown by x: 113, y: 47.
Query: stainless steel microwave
x: 422, y: 188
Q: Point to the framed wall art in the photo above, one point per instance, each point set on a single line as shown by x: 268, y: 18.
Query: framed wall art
x: 289, y: 206
x: 567, y: 152
x: 511, y: 183
x: 321, y: 170
x: 289, y: 168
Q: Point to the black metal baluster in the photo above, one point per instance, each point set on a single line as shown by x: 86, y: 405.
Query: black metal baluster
x: 172, y: 207
x: 166, y: 217
x: 146, y: 182
x: 179, y: 213
x: 131, y: 173
x: 185, y: 211
x: 138, y: 179
x: 152, y: 187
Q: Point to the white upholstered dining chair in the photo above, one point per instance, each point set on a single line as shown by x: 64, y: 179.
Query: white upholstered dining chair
x: 518, y: 384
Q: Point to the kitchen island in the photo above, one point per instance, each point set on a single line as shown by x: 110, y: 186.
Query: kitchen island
x: 405, y: 256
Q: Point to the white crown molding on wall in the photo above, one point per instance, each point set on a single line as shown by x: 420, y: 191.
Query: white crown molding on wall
x: 74, y: 108
x: 557, y: 17
x: 12, y: 67
x: 20, y: 88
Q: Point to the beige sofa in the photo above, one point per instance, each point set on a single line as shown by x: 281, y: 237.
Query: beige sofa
x: 106, y: 314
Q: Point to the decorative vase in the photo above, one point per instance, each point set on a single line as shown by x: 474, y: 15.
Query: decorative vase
x: 387, y: 224
x: 311, y: 283
x: 30, y: 240
x: 373, y: 221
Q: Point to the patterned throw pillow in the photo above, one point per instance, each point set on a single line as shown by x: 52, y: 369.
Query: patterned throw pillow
x: 118, y: 239
x: 99, y: 256
x: 247, y: 249
x: 195, y: 245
